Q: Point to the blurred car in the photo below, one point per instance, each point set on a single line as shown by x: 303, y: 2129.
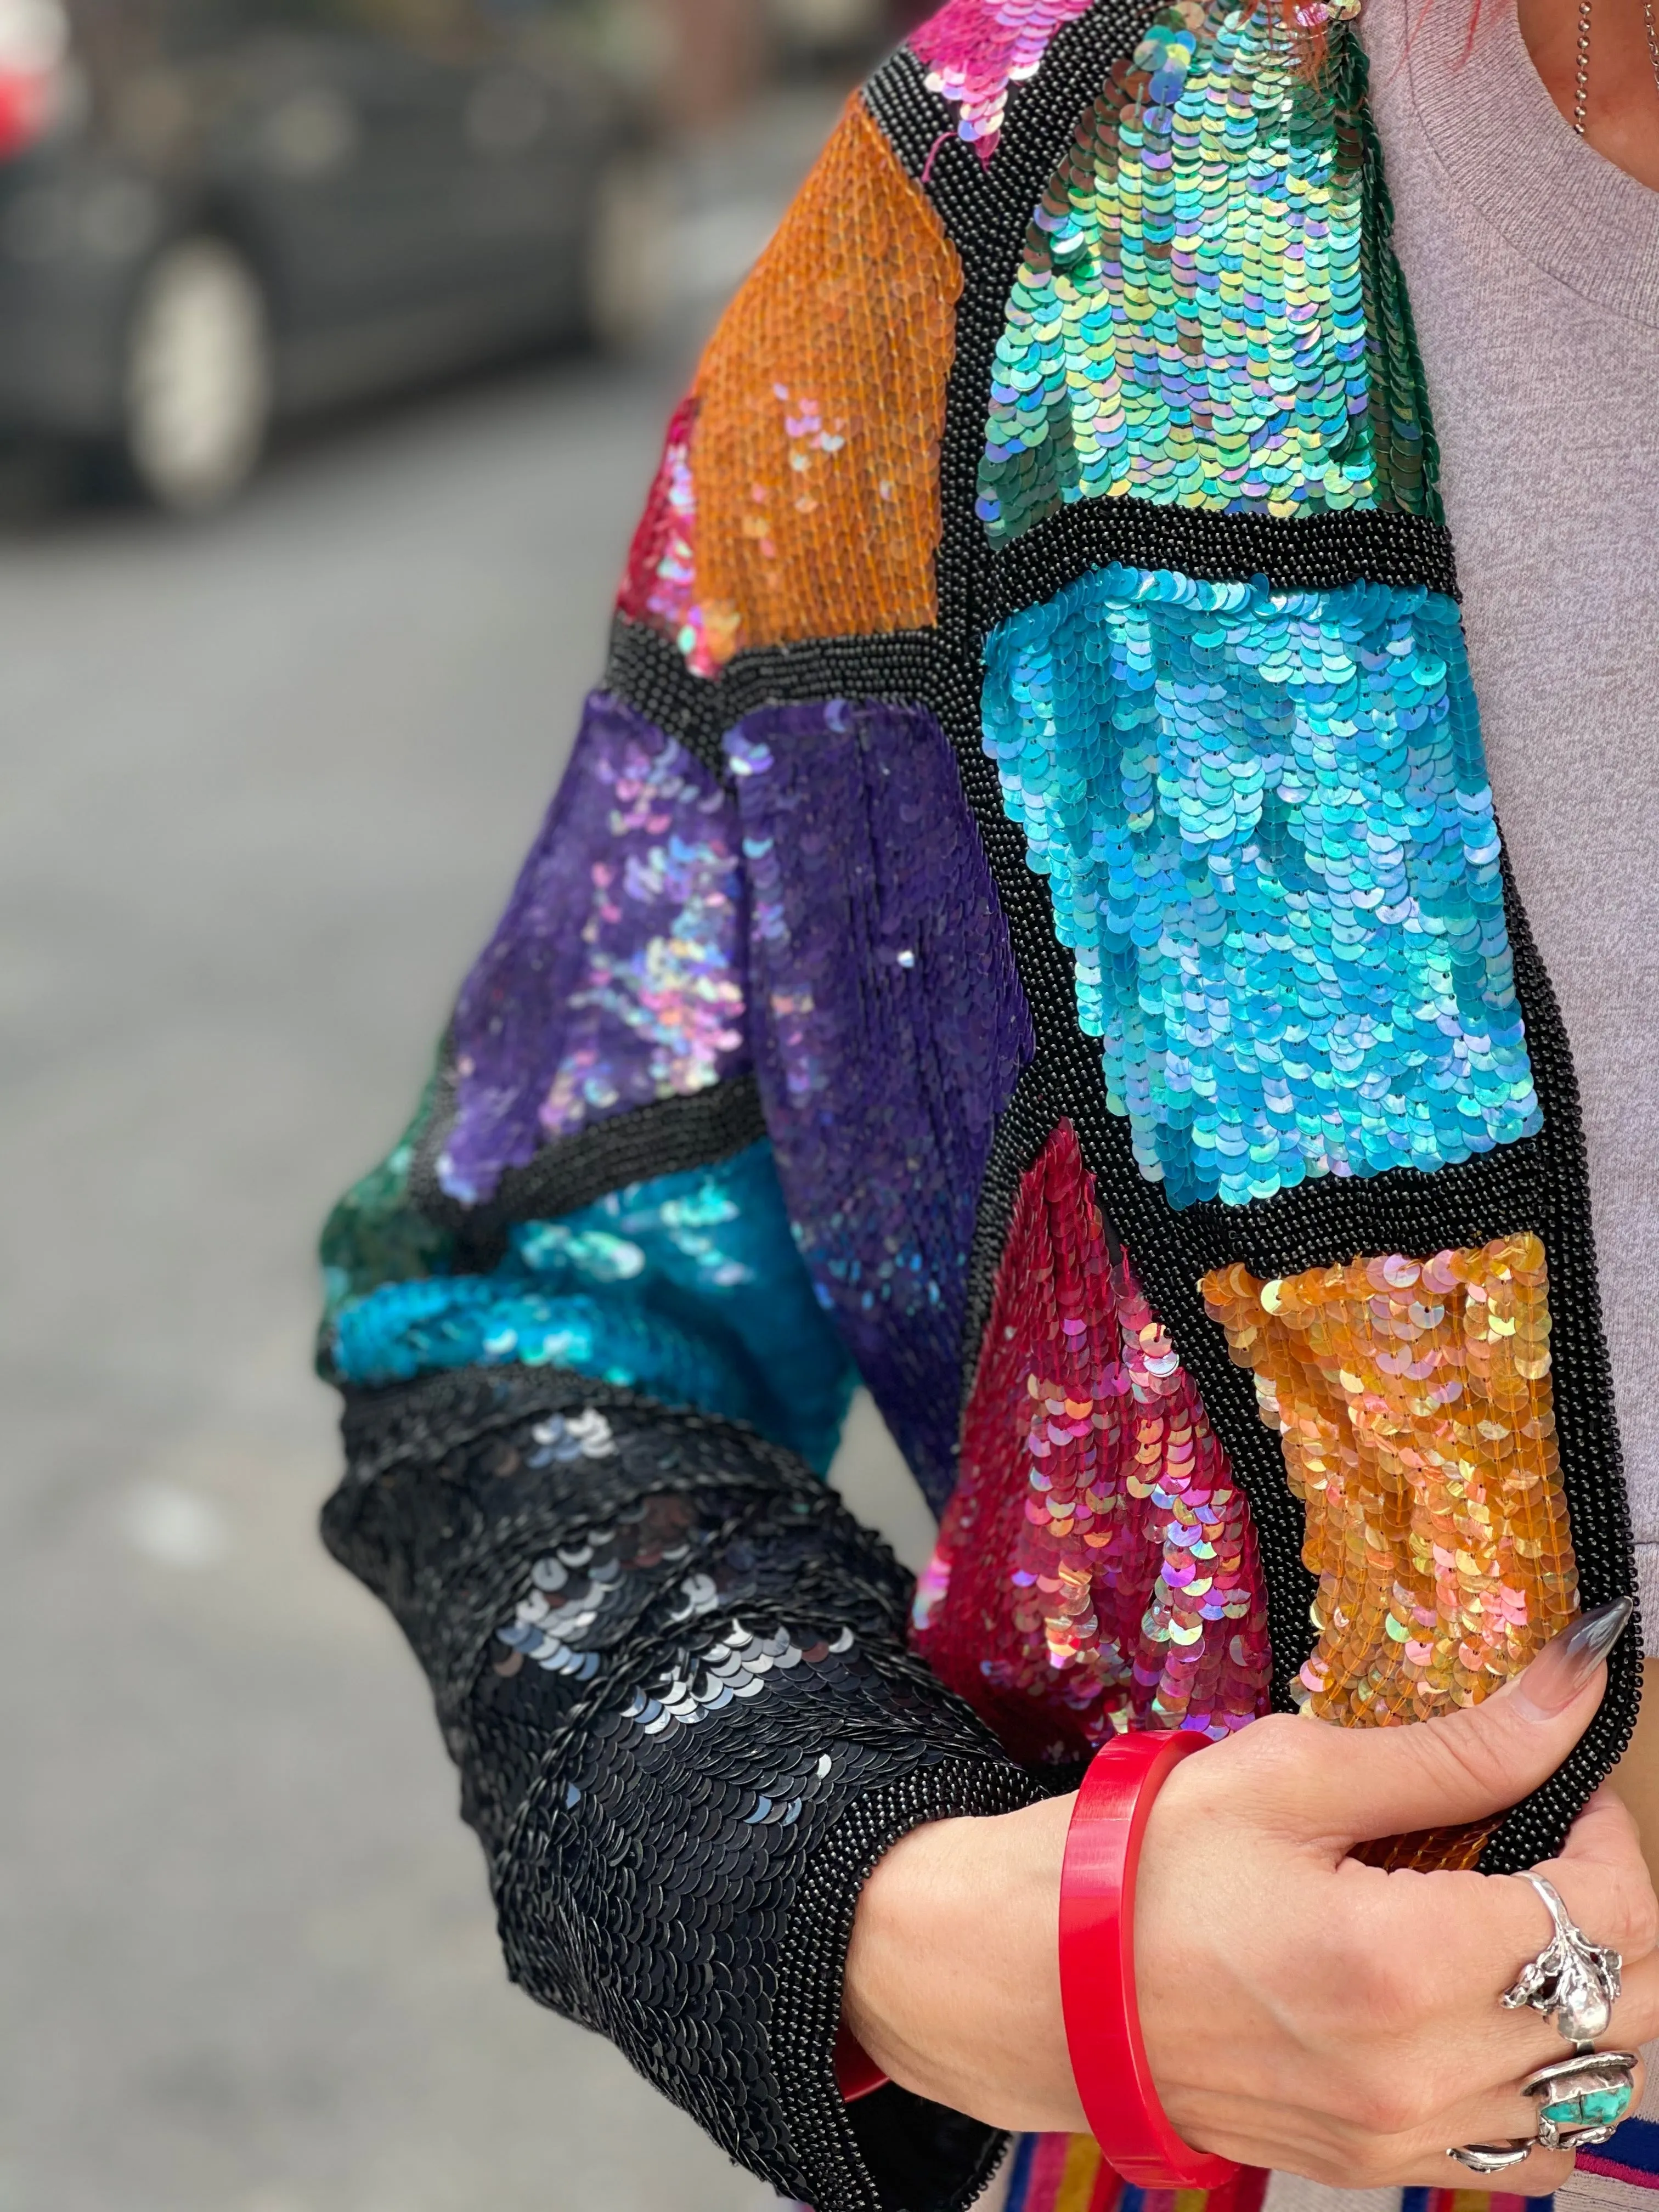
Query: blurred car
x: 214, y: 214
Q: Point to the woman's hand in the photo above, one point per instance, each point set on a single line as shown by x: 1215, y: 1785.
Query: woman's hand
x: 1300, y: 2010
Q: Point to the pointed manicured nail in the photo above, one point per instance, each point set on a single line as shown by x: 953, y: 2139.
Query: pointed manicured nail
x: 1555, y: 1677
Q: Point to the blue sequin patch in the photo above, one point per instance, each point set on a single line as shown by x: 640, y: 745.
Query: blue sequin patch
x: 687, y: 1288
x: 1266, y: 826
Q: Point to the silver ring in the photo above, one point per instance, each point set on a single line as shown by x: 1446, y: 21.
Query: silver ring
x: 1582, y: 2099
x: 1576, y: 1980
x: 1492, y: 2157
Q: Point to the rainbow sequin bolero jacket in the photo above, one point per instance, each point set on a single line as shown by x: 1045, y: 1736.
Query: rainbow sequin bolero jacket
x: 1023, y: 925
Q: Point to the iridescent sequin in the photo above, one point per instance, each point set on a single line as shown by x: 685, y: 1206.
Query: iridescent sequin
x: 584, y: 1594
x: 614, y: 977
x: 1189, y: 320
x: 1266, y: 828
x: 1412, y: 1400
x: 659, y: 583
x: 974, y: 50
x: 688, y: 1288
x: 1096, y: 1569
x: 737, y: 1667
x: 889, y: 1029
x: 375, y: 1235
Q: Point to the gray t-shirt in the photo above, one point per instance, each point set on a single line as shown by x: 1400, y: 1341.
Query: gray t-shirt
x: 1532, y: 267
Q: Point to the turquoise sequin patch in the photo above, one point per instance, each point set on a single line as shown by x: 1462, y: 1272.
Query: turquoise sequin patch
x: 688, y: 1288
x: 1266, y: 825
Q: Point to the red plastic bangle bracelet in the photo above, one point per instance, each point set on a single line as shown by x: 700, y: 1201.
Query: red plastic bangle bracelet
x: 856, y: 2072
x: 1098, y: 1967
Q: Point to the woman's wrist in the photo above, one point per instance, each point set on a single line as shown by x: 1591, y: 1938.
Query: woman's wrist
x: 953, y: 1981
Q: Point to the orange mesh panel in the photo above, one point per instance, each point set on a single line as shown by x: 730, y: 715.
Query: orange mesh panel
x: 1430, y: 1851
x: 820, y: 403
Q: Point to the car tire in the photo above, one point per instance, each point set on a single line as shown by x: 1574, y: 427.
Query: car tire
x: 197, y: 376
x: 626, y: 273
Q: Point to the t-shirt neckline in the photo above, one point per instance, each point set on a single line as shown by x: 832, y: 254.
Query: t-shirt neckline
x: 1509, y: 149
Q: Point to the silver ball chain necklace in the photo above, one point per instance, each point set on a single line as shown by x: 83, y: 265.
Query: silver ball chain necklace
x: 1581, y: 90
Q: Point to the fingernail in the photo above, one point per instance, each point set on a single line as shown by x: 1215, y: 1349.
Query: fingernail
x: 1555, y: 1677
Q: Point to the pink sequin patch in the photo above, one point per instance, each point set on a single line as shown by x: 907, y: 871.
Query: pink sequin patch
x: 974, y: 50
x: 1097, y: 1567
x: 659, y: 582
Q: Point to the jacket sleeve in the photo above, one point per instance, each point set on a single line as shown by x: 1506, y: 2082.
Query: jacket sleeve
x: 589, y: 1397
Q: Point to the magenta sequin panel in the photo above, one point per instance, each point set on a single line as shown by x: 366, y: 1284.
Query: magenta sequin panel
x: 616, y: 976
x: 974, y: 50
x: 1096, y: 1569
x: 889, y: 1028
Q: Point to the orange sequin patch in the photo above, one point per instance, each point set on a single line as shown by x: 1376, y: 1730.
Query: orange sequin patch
x: 820, y: 403
x: 1413, y: 1400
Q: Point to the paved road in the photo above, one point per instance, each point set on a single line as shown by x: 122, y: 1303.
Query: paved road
x: 267, y: 783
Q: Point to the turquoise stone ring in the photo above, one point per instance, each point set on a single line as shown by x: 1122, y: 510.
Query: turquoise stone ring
x: 1582, y: 2099
x: 1596, y: 2108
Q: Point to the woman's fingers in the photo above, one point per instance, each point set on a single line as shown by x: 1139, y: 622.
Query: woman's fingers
x: 1455, y: 1942
x: 1461, y: 1765
x: 1603, y: 1880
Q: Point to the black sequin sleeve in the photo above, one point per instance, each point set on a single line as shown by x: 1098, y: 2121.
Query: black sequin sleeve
x: 671, y: 1670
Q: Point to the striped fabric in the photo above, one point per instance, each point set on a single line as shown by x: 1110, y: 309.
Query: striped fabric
x: 1067, y: 2173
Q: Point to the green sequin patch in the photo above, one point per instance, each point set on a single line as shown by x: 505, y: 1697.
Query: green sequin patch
x: 1208, y: 313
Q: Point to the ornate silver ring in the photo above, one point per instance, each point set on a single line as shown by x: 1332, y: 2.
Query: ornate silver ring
x: 1582, y: 2099
x: 1491, y: 2158
x: 1572, y: 1978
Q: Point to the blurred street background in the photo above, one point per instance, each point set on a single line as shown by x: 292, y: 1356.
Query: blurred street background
x: 268, y: 772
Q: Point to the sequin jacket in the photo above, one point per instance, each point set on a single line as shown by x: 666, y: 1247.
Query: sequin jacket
x: 1023, y: 924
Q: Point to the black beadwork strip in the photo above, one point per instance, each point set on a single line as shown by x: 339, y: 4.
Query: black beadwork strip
x: 986, y: 210
x: 1312, y: 553
x: 1023, y: 1127
x: 902, y: 667
x: 886, y: 2130
x: 648, y: 671
x: 665, y: 1137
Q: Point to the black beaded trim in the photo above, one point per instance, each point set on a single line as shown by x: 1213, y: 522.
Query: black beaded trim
x: 1023, y: 1127
x: 648, y: 671
x: 665, y: 1137
x: 1313, y: 553
x: 830, y: 2137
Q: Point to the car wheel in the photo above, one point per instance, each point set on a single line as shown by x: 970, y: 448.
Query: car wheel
x: 196, y: 388
x: 626, y: 268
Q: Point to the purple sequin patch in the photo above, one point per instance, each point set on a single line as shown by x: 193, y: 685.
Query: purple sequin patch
x: 615, y: 978
x: 888, y: 1028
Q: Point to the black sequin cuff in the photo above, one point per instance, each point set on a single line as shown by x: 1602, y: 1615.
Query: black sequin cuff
x: 671, y: 1670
